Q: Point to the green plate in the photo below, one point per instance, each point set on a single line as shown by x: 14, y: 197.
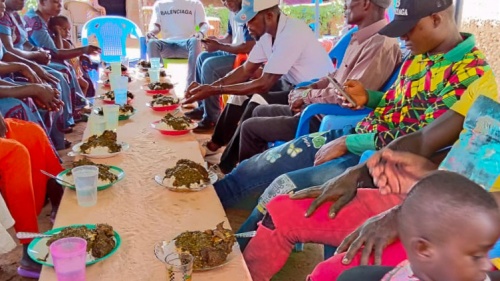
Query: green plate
x: 38, y: 248
x: 115, y: 170
x: 126, y: 117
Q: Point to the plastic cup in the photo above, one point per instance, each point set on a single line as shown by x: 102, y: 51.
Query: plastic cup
x: 125, y: 61
x: 155, y: 63
x: 69, y: 256
x: 111, y: 113
x: 86, y: 184
x: 116, y: 68
x: 179, y: 266
x: 114, y: 80
x: 154, y: 75
x: 97, y: 125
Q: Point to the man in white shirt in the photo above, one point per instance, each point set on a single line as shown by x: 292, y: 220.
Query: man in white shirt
x: 292, y: 55
x: 182, y: 24
x: 217, y: 60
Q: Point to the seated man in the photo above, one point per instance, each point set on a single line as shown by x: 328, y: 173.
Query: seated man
x: 376, y: 210
x: 216, y: 62
x: 25, y: 151
x: 417, y: 98
x: 284, y: 67
x: 177, y: 20
x: 370, y: 58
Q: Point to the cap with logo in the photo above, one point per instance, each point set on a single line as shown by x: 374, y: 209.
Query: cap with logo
x: 407, y: 13
x: 250, y: 8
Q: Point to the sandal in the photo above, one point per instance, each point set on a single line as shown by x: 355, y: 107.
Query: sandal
x: 28, y: 273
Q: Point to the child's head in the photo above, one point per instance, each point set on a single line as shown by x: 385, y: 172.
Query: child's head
x: 63, y: 23
x: 447, y: 225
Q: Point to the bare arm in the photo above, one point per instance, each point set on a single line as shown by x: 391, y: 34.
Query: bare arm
x: 243, y: 48
x: 9, y: 46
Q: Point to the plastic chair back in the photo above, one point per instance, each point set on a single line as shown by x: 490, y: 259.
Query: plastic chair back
x: 112, y: 33
x: 338, y: 51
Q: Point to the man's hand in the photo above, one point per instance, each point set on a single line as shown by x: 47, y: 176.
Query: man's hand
x: 396, y: 172
x: 92, y: 50
x: 357, y: 92
x: 373, y: 236
x: 3, y: 127
x: 211, y: 45
x: 42, y: 57
x: 330, y: 151
x: 191, y: 86
x: 47, y: 97
x: 200, y: 93
x: 44, y: 75
x: 151, y: 35
x: 297, y: 106
x: 340, y: 190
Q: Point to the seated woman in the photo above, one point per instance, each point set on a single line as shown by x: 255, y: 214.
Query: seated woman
x: 14, y: 38
x: 25, y: 151
x: 39, y: 36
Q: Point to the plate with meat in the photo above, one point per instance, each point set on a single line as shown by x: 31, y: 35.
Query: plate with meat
x: 103, y: 146
x: 108, y: 175
x: 159, y: 88
x: 126, y: 111
x: 185, y: 176
x: 102, y: 242
x: 174, y: 125
x: 163, y: 103
x: 211, y: 248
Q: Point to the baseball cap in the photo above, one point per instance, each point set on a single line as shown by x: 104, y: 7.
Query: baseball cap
x: 407, y: 13
x: 250, y: 8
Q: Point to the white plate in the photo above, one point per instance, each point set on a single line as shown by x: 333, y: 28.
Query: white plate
x: 76, y: 151
x: 163, y: 248
x: 159, y: 180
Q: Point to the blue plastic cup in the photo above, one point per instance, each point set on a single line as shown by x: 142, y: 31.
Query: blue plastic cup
x: 154, y: 75
x: 155, y: 63
x: 120, y: 96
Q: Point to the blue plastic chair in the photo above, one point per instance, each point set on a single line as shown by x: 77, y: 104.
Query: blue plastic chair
x: 338, y: 51
x: 112, y: 33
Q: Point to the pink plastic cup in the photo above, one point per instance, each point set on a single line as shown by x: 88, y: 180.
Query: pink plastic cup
x: 69, y: 256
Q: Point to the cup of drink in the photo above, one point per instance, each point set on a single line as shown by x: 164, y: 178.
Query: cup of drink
x: 111, y: 113
x: 120, y: 90
x: 155, y: 63
x: 115, y: 80
x: 154, y: 75
x: 86, y: 184
x: 69, y: 256
x: 125, y: 61
x: 179, y: 266
x: 97, y: 125
x: 116, y: 68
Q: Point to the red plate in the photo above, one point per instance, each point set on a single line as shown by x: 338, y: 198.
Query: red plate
x: 163, y: 108
x: 157, y: 92
x: 172, y: 132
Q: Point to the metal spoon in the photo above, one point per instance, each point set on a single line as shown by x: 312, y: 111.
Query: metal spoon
x: 248, y: 234
x: 56, y: 178
x: 31, y: 235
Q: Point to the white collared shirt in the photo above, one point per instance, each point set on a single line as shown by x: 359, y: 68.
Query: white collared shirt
x: 296, y: 53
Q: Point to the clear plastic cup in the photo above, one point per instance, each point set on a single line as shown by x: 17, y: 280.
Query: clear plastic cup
x: 125, y: 61
x: 154, y: 75
x: 114, y: 80
x: 97, y: 125
x: 155, y: 63
x: 179, y: 266
x: 86, y: 184
x: 111, y: 113
x: 69, y: 256
x: 116, y: 68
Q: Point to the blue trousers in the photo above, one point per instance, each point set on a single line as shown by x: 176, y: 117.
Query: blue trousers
x: 210, y: 67
x: 252, y: 176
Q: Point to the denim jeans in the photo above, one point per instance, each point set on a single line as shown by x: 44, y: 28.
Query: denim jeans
x: 254, y: 175
x: 210, y: 67
x: 183, y: 48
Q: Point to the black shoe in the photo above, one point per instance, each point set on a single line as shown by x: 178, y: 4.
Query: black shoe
x: 194, y: 114
x: 204, y: 127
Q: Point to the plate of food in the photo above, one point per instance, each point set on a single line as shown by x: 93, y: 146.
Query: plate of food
x: 108, y: 69
x: 174, y: 126
x: 108, y: 175
x: 159, y: 88
x: 103, y: 146
x: 126, y: 111
x: 109, y: 97
x: 102, y: 242
x: 163, y: 103
x: 185, y: 176
x: 163, y: 75
x: 210, y: 249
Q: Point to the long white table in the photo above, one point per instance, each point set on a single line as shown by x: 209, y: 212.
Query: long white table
x: 143, y: 212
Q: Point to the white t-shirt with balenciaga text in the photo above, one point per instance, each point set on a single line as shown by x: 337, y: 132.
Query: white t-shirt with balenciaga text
x: 177, y: 18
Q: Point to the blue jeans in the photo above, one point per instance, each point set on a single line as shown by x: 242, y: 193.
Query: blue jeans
x: 210, y: 67
x: 253, y: 176
x: 183, y: 48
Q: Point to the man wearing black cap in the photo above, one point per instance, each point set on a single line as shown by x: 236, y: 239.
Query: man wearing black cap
x: 443, y: 65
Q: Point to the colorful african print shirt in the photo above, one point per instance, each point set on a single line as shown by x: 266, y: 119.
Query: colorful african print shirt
x: 426, y: 88
x: 12, y: 25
